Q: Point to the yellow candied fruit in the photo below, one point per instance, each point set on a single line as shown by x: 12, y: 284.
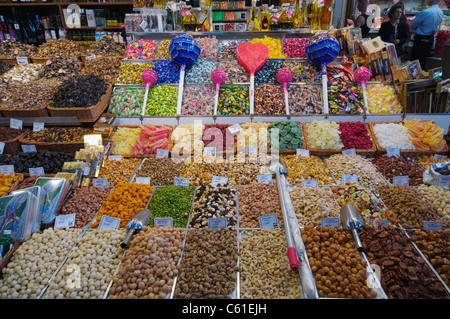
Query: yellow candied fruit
x: 274, y: 45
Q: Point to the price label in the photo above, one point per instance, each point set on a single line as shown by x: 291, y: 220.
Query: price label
x: 234, y: 129
x: 181, y: 182
x: 109, y: 222
x: 251, y: 150
x: 2, y: 147
x: 36, y: 171
x: 115, y: 157
x: 15, y: 123
x: 29, y: 148
x: 64, y: 221
x: 142, y: 180
x: 310, y: 183
x: 320, y: 3
x: 269, y: 221
x: 38, y: 126
x: 432, y: 225
x: 349, y: 179
x: 91, y: 57
x: 163, y: 222
x: 393, y: 152
x: 21, y: 60
x: 330, y: 222
x: 144, y: 25
x: 443, y: 181
x: 349, y: 152
x: 302, y: 152
x: 438, y: 157
x: 216, y: 223
x: 219, y: 180
x: 100, y: 182
x: 160, y: 153
x: 401, y: 180
x: 266, y: 178
x: 7, y: 169
x: 209, y: 150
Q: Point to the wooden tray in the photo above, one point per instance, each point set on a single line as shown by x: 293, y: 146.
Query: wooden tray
x: 328, y: 152
x: 66, y: 147
x: 12, y: 60
x: 411, y: 152
x: 12, y: 146
x: 38, y: 112
x: 305, y: 139
x: 7, y: 258
x: 89, y: 114
x: 39, y: 60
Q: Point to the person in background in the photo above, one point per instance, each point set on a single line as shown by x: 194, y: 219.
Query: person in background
x: 425, y: 27
x: 362, y: 21
x: 395, y: 30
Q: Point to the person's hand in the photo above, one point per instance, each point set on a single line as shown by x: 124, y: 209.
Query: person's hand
x: 350, y: 23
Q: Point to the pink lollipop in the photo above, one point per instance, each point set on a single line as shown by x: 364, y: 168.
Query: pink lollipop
x: 218, y: 77
x: 149, y: 77
x: 284, y: 76
x: 362, y: 75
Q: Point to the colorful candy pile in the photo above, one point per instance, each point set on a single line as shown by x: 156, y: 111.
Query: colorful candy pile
x: 303, y: 72
x: 167, y: 71
x: 274, y: 46
x: 227, y: 48
x: 200, y: 71
x: 141, y: 49
x: 162, y: 101
x: 268, y: 72
x: 209, y: 47
x: 290, y: 135
x: 381, y: 99
x: 235, y: 72
x: 124, y: 138
x: 305, y: 99
x: 162, y: 50
x: 345, y: 98
x: 127, y: 101
x: 130, y: 73
x: 426, y: 135
x: 295, y: 48
x: 233, y: 100
x: 269, y: 100
x: 150, y: 139
x: 198, y: 100
x: 355, y: 135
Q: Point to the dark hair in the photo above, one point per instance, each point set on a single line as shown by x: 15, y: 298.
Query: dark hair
x: 395, y: 7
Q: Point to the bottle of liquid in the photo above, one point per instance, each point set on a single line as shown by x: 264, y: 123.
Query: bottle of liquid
x: 203, y: 24
x: 189, y: 20
x: 253, y: 23
x: 286, y: 19
x: 6, y: 243
x: 304, y: 14
x: 265, y: 18
x: 297, y: 14
x: 99, y: 33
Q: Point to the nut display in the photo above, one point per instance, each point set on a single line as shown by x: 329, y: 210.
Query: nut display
x: 107, y: 47
x: 24, y: 73
x: 409, y: 206
x: 427, y: 160
x: 362, y: 167
x: 117, y: 171
x: 51, y: 162
x: 5, y: 67
x: 35, y: 261
x: 58, y: 135
x: 8, y: 133
x: 84, y: 202
x: 391, y: 166
x: 60, y: 46
x: 80, y: 91
x: 437, y: 196
x: 209, y: 264
x: 24, y: 183
x: 171, y: 201
x: 263, y: 270
x: 202, y: 173
x: 213, y: 202
x: 162, y: 171
x: 311, y: 204
x: 258, y: 200
x: 107, y: 67
x: 300, y: 168
x: 124, y: 201
x: 404, y: 273
x: 12, y: 49
x: 149, y: 267
x: 89, y: 267
x: 60, y: 66
x: 339, y: 270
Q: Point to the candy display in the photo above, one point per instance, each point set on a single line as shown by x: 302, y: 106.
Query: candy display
x: 227, y: 48
x: 323, y: 134
x: 150, y: 139
x: 235, y: 72
x: 268, y: 72
x: 345, y: 98
x: 362, y: 75
x: 167, y: 71
x: 269, y: 100
x: 382, y: 99
x: 354, y: 135
x: 233, y: 100
x: 218, y: 136
x: 209, y: 47
x: 162, y: 50
x: 393, y: 135
x: 218, y: 77
x: 305, y: 99
x: 140, y: 50
x: 290, y: 136
x: 300, y: 168
x: 425, y: 135
x: 162, y: 101
x: 303, y: 71
x: 200, y: 71
x: 125, y: 137
x: 130, y: 73
x: 295, y: 48
x: 127, y: 101
x: 198, y: 100
x: 274, y: 45
x: 253, y: 134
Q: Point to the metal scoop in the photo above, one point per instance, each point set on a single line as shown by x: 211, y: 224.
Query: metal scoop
x: 352, y: 220
x: 140, y: 219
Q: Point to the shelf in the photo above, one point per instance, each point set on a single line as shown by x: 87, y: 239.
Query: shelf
x: 93, y: 28
x: 56, y: 4
x: 304, y: 32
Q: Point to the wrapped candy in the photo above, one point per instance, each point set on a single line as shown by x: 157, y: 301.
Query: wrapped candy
x: 381, y: 99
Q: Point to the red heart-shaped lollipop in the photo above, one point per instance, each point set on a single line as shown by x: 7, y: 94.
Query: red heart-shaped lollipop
x: 252, y: 56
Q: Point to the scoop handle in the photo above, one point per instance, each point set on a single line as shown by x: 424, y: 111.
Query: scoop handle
x: 126, y: 240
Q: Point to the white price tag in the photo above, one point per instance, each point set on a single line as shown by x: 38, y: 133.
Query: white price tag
x: 108, y: 222
x: 216, y: 223
x: 36, y: 171
x: 266, y: 178
x: 7, y: 169
x: 142, y: 180
x: 349, y: 179
x: 432, y: 225
x: 115, y: 157
x: 181, y: 182
x: 393, y: 152
x: 269, y: 221
x: 15, y: 123
x: 28, y: 148
x: 144, y: 25
x: 349, y: 152
x: 209, y: 150
x: 64, y: 221
x: 100, y: 182
x: 163, y: 222
x: 234, y: 129
x: 310, y: 183
x: 251, y: 149
x: 2, y: 147
x: 21, y: 60
x: 160, y: 153
x: 38, y: 126
x: 302, y: 152
x: 438, y: 157
x: 90, y: 57
x: 219, y: 180
x: 443, y: 181
x: 401, y: 180
x: 320, y: 3
x: 330, y: 222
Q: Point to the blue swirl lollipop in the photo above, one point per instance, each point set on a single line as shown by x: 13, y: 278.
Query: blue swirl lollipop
x: 322, y: 50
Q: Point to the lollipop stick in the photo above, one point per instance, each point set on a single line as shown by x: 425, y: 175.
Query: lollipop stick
x: 325, y: 88
x: 286, y: 100
x: 216, y: 99
x: 180, y: 88
x: 147, y: 87
x: 366, y: 105
x: 252, y: 94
